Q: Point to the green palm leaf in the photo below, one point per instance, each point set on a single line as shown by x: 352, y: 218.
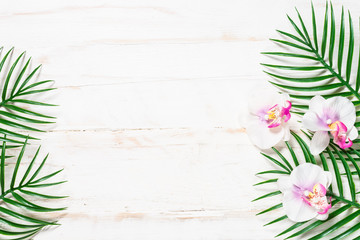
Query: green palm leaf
x: 342, y: 192
x: 326, y: 73
x: 20, y: 82
x: 18, y: 208
x: 327, y: 63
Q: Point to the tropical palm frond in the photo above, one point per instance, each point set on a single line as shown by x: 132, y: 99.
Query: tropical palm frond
x: 342, y: 191
x: 18, y: 211
x: 14, y: 102
x: 324, y: 62
x: 319, y: 63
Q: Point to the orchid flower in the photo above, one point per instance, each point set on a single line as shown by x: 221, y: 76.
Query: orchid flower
x: 335, y: 115
x: 267, y: 123
x: 304, y: 193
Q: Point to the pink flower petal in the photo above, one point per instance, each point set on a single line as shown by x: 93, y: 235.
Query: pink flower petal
x: 262, y: 136
x: 296, y: 209
x: 325, y: 210
x: 339, y: 132
x: 319, y: 188
x: 343, y: 109
x: 304, y: 193
x: 306, y: 175
x: 286, y: 111
x: 314, y: 122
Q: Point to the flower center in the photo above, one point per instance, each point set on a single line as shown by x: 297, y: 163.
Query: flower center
x: 277, y: 114
x: 339, y: 130
x: 317, y: 198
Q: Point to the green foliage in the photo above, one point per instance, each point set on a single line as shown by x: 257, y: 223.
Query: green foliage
x: 337, y: 192
x: 19, y: 194
x: 15, y: 102
x: 326, y: 74
x: 322, y: 63
x: 22, y: 184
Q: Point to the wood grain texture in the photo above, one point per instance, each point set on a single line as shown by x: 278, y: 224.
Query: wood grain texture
x: 151, y: 126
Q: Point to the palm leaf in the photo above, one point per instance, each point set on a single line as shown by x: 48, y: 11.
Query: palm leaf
x: 18, y: 83
x: 342, y: 191
x: 18, y: 207
x: 324, y: 70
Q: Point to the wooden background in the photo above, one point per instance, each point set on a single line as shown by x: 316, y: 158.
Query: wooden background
x: 153, y: 97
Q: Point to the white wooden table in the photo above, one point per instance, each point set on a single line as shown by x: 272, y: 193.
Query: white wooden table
x: 153, y: 96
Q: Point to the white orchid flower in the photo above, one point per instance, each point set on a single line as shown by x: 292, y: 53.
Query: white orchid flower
x: 335, y: 115
x: 304, y: 193
x: 267, y: 123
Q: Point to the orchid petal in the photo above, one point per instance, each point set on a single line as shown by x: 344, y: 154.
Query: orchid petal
x: 326, y: 209
x: 353, y: 133
x: 319, y: 142
x: 329, y: 179
x: 316, y: 104
x: 287, y: 133
x: 285, y: 97
x: 286, y: 111
x: 340, y: 109
x: 322, y: 217
x: 285, y: 184
x: 304, y: 192
x: 262, y: 136
x: 263, y: 100
x: 306, y: 175
x: 343, y: 143
x: 296, y: 209
x: 320, y: 189
x: 313, y: 122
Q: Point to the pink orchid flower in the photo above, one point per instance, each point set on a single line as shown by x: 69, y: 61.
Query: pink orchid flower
x: 335, y: 116
x: 267, y: 123
x: 304, y: 193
